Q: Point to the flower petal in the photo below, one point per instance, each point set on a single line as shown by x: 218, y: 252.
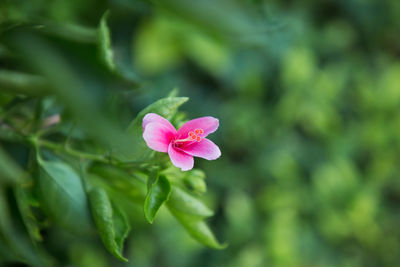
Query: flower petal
x: 208, y: 124
x: 158, y: 136
x: 153, y: 117
x: 180, y: 159
x: 204, y: 149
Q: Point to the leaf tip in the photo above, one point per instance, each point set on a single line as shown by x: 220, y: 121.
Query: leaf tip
x: 105, y: 16
x: 122, y: 258
x: 184, y: 99
x: 148, y: 217
x: 222, y: 246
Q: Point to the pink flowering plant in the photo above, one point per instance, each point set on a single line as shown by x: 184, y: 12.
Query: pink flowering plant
x: 80, y: 164
x: 94, y: 177
x: 182, y: 145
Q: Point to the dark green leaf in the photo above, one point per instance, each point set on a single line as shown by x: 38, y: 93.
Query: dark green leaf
x: 111, y: 222
x: 197, y: 228
x: 17, y: 245
x: 10, y: 172
x: 107, y: 55
x: 63, y: 197
x: 158, y: 193
x: 226, y: 19
x: 24, y: 204
x: 104, y: 37
x: 70, y: 31
x: 21, y: 83
x: 184, y: 202
x: 70, y: 89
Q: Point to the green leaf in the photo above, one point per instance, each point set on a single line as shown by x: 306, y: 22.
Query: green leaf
x: 107, y: 54
x: 225, y: 19
x: 22, y: 83
x: 121, y: 226
x: 197, y: 228
x: 194, y: 180
x: 23, y: 198
x: 104, y: 38
x: 158, y: 193
x: 174, y: 92
x: 110, y: 221
x: 71, y: 89
x: 63, y: 197
x: 165, y: 107
x: 70, y: 31
x: 184, y: 202
x: 10, y: 172
x: 17, y: 246
x: 120, y: 181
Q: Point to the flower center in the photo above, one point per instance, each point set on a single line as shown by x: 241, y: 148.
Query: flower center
x: 193, y: 136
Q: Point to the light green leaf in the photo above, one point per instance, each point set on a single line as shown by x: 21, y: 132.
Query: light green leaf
x: 194, y: 180
x: 110, y: 221
x: 121, y: 226
x: 104, y: 39
x: 197, y: 228
x: 165, y: 107
x: 24, y: 205
x: 123, y: 183
x: 63, y: 197
x: 186, y: 203
x: 174, y: 92
x: 158, y: 193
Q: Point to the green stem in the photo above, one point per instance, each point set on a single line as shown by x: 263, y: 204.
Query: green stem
x: 73, y: 152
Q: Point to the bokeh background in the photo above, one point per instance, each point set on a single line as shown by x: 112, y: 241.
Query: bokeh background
x: 308, y: 97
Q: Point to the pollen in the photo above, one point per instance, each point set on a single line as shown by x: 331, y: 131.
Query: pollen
x: 192, y: 136
x: 198, y: 131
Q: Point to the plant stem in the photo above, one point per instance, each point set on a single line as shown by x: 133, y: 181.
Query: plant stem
x: 73, y: 152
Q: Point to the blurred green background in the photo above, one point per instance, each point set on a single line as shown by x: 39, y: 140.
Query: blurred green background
x: 308, y: 97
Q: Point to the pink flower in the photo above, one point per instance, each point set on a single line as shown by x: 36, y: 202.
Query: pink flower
x: 190, y: 140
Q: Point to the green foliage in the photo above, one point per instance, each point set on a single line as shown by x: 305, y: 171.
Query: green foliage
x: 111, y: 223
x: 104, y: 36
x: 196, y: 228
x: 25, y: 203
x: 157, y: 194
x: 186, y: 203
x: 195, y: 181
x: 16, y: 82
x: 73, y: 157
x: 165, y: 107
x: 11, y: 173
x: 307, y: 94
x: 63, y: 196
x: 14, y: 245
